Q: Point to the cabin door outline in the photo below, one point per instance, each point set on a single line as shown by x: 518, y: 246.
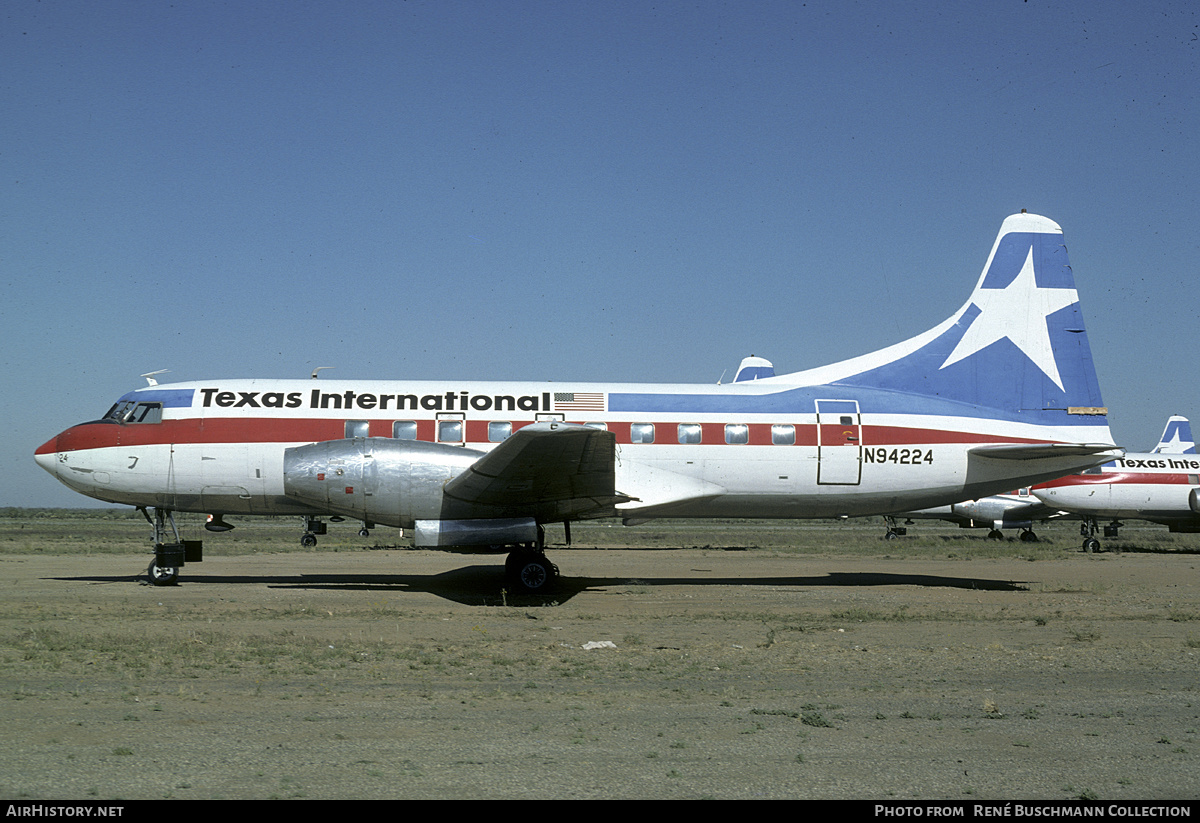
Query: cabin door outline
x: 839, y: 443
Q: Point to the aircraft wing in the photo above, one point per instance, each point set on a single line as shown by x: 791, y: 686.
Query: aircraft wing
x: 551, y: 471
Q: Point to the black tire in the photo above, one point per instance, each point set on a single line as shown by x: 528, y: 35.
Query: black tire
x: 162, y: 575
x: 530, y: 573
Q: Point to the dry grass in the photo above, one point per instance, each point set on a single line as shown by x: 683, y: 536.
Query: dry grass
x: 118, y: 531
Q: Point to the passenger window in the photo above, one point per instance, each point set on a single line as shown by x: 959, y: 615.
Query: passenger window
x: 601, y: 426
x: 357, y: 428
x: 783, y: 435
x: 498, y: 432
x: 641, y: 433
x: 689, y: 433
x: 737, y: 434
x: 404, y: 429
x: 450, y: 431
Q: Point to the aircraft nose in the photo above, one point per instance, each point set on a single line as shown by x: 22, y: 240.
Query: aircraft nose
x: 47, y: 455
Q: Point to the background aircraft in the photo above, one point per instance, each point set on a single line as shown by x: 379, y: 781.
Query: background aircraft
x: 1019, y: 509
x: 1001, y: 395
x: 1161, y: 486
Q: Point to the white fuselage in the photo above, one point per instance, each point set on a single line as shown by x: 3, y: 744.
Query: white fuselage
x: 739, y: 450
x: 1158, y: 487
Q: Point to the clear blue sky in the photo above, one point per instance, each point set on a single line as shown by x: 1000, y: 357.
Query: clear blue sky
x: 573, y: 190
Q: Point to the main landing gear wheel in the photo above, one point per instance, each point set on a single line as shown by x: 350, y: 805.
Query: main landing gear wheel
x: 995, y: 534
x: 308, y: 541
x: 162, y: 575
x: 530, y: 572
x: 1028, y: 536
x: 1091, y: 545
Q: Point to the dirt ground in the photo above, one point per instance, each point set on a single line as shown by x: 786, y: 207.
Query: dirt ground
x: 719, y: 673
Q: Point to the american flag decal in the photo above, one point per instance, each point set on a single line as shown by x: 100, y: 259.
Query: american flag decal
x: 579, y: 401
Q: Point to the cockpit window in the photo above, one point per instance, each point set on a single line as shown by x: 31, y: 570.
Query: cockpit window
x: 145, y: 413
x: 129, y: 411
x: 118, y: 411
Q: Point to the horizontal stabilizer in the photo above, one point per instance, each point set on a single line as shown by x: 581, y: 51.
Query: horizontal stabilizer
x: 1045, y: 451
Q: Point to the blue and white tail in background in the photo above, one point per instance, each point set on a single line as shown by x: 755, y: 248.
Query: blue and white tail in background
x: 1176, y: 437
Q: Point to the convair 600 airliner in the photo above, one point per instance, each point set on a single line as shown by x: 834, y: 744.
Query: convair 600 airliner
x: 1001, y: 395
x: 1161, y: 486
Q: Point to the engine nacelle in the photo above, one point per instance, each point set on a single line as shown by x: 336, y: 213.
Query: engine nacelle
x: 989, y: 512
x: 495, y: 532
x: 375, y: 479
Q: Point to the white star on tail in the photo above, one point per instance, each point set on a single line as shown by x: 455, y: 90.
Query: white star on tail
x: 1018, y: 311
x: 1172, y: 445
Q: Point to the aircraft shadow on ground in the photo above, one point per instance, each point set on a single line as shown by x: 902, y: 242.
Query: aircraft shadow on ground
x: 484, y: 585
x: 1133, y: 549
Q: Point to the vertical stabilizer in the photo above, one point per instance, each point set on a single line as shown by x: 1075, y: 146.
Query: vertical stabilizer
x: 1176, y: 437
x: 754, y: 368
x: 1017, y: 348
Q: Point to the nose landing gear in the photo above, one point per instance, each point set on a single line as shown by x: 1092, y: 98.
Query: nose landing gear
x: 170, y: 552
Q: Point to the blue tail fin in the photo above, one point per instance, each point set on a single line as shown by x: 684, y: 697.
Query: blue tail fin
x: 1017, y: 348
x: 753, y: 368
x: 1176, y: 437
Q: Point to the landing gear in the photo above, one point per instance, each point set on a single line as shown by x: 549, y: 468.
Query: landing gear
x: 170, y: 552
x: 1027, y: 536
x: 162, y: 575
x: 893, y: 531
x: 529, y: 571
x: 995, y: 534
x: 527, y: 568
x: 313, y: 526
x: 1088, y: 529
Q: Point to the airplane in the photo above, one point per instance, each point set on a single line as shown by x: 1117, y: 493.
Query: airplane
x: 1159, y: 486
x: 1017, y: 509
x: 1002, y: 394
x: 1176, y: 437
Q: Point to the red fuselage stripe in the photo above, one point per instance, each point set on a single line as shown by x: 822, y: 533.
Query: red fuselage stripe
x: 1123, y: 478
x: 306, y: 430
